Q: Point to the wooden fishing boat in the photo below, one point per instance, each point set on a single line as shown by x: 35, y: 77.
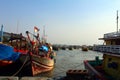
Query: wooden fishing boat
x: 84, y: 48
x: 41, y: 64
x: 70, y: 48
x: 42, y: 57
x: 14, y: 63
x: 28, y: 60
x: 109, y: 67
x: 95, y: 69
x: 28, y: 64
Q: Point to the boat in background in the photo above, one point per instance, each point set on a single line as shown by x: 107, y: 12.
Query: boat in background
x: 70, y: 47
x: 109, y: 67
x: 18, y: 42
x: 84, y: 48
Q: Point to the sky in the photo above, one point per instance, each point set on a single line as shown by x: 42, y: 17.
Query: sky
x: 73, y: 22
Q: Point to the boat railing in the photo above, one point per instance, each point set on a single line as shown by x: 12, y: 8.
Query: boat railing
x: 107, y: 48
x: 112, y: 35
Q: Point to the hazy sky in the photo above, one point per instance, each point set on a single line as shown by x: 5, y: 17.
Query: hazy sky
x: 66, y: 21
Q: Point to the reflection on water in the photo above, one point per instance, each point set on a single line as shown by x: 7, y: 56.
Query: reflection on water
x: 70, y: 59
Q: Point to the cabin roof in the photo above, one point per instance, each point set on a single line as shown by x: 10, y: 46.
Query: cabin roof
x: 110, y: 38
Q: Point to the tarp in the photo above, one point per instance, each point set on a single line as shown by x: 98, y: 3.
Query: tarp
x: 7, y: 53
x: 43, y: 48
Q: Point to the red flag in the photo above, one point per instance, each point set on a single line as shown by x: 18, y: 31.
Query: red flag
x: 36, y: 29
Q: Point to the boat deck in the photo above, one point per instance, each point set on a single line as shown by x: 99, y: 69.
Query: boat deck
x: 96, y: 68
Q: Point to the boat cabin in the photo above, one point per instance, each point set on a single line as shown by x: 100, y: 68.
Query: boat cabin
x: 111, y: 54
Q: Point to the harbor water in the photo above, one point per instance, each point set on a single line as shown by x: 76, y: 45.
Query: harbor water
x: 69, y: 59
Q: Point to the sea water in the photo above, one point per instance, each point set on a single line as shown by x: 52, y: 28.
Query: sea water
x: 69, y: 59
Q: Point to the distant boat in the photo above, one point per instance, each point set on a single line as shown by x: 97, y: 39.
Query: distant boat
x: 63, y: 48
x: 70, y: 48
x: 56, y: 48
x: 84, y: 48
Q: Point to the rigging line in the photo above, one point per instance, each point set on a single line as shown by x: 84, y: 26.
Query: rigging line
x: 117, y: 21
x: 20, y: 67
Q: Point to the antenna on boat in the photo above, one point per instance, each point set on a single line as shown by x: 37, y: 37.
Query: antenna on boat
x: 44, y: 35
x: 117, y: 21
x: 1, y: 34
x: 17, y: 26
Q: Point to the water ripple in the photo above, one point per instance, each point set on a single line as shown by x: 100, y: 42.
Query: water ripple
x: 67, y: 59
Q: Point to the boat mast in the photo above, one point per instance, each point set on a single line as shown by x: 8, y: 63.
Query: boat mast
x: 117, y: 21
x: 44, y: 35
x: 44, y: 32
x: 17, y: 26
x: 1, y: 34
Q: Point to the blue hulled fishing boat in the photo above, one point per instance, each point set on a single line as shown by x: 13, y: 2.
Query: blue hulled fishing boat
x: 14, y: 63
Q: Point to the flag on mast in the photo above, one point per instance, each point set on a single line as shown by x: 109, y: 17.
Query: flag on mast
x: 36, y: 29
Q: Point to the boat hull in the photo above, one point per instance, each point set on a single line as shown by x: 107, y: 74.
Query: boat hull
x: 92, y: 71
x: 41, y: 64
x: 84, y: 49
x: 21, y: 67
x: 27, y: 65
x: 96, y: 70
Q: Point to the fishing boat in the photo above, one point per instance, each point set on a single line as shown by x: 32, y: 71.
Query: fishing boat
x: 25, y: 57
x: 70, y: 47
x: 84, y: 48
x: 107, y: 68
x: 18, y: 42
x: 42, y: 57
x: 56, y: 47
x: 14, y: 63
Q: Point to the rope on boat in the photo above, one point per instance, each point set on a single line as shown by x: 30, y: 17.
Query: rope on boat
x: 20, y: 67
